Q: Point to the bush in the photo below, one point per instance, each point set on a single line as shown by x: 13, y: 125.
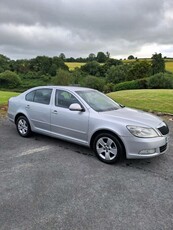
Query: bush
x: 157, y: 81
x: 9, y: 80
x: 142, y: 83
x: 117, y: 74
x: 127, y: 85
x: 62, y: 77
x: 91, y: 68
x: 31, y: 75
x: 109, y: 87
x: 134, y: 84
x: 93, y: 82
x: 138, y: 70
x: 160, y: 81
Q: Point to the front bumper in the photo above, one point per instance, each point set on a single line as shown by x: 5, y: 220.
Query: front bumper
x: 140, y: 148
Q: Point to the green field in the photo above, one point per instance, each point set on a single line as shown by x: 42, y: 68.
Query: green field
x: 4, y: 96
x: 73, y: 65
x: 169, y: 66
x: 158, y: 100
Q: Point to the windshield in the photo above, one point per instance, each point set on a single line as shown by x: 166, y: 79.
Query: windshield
x: 98, y: 101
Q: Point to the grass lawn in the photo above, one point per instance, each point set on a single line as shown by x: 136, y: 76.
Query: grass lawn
x: 4, y: 96
x: 158, y: 100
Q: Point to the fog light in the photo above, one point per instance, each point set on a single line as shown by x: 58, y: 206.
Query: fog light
x: 147, y: 151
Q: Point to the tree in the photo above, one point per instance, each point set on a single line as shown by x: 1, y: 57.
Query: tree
x: 109, y: 62
x: 59, y: 63
x: 20, y: 66
x: 41, y: 63
x: 107, y: 54
x: 46, y: 65
x: 101, y: 57
x: 112, y: 62
x: 117, y: 74
x: 158, y: 63
x: 62, y: 56
x: 93, y: 82
x: 9, y: 79
x: 4, y: 63
x: 131, y: 57
x: 77, y: 75
x: 138, y: 69
x: 92, y: 68
x: 91, y: 57
x: 62, y: 77
x: 52, y: 70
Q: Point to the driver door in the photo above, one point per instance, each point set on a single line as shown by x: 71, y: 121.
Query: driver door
x: 66, y: 123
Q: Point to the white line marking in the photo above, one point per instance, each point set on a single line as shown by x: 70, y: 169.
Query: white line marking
x: 36, y: 150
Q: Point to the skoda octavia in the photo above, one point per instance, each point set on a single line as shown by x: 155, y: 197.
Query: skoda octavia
x: 87, y: 117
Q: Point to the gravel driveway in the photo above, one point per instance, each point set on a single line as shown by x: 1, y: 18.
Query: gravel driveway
x: 47, y: 184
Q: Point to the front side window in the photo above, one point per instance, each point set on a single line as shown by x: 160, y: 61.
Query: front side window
x: 40, y: 96
x: 64, y: 99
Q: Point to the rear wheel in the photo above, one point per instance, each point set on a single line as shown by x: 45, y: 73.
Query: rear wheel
x: 107, y: 148
x: 23, y: 126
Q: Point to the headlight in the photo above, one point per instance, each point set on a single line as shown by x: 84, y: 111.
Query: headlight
x: 141, y: 131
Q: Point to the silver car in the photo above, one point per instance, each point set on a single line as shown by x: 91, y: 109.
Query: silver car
x: 88, y: 117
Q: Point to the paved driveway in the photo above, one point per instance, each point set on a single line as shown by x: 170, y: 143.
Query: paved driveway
x: 47, y: 184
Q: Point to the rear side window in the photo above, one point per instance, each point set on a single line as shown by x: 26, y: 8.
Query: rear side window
x: 30, y: 96
x: 40, y: 96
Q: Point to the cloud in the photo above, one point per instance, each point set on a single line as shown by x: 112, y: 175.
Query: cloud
x: 77, y: 28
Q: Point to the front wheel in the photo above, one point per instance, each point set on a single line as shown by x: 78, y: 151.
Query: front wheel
x: 23, y: 126
x: 107, y: 148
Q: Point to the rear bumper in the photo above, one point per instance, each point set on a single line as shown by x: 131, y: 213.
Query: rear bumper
x: 11, y: 117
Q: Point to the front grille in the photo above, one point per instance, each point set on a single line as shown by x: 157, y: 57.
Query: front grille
x: 164, y: 129
x: 163, y: 148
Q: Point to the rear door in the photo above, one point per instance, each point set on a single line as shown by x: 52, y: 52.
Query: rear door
x: 38, y: 108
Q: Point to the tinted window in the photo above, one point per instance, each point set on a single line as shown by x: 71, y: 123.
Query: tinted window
x: 43, y: 96
x: 30, y: 96
x: 64, y: 99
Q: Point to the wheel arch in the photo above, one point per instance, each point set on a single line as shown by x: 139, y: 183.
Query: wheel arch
x: 24, y: 129
x: 19, y: 115
x: 109, y: 132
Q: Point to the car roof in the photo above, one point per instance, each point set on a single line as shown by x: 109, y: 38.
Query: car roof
x: 71, y: 88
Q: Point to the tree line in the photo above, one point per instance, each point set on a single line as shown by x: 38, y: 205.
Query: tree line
x: 101, y: 57
x: 99, y: 71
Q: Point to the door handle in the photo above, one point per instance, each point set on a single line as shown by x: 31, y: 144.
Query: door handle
x: 55, y: 112
x: 27, y: 107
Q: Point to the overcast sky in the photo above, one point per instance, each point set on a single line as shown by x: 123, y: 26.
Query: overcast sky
x: 29, y: 28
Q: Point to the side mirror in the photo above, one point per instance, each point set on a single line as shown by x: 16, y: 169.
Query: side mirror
x: 76, y: 107
x: 122, y: 106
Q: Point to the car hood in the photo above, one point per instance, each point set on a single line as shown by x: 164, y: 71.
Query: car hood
x: 130, y: 116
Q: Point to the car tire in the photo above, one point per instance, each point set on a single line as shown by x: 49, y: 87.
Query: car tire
x: 108, y: 148
x: 23, y: 126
